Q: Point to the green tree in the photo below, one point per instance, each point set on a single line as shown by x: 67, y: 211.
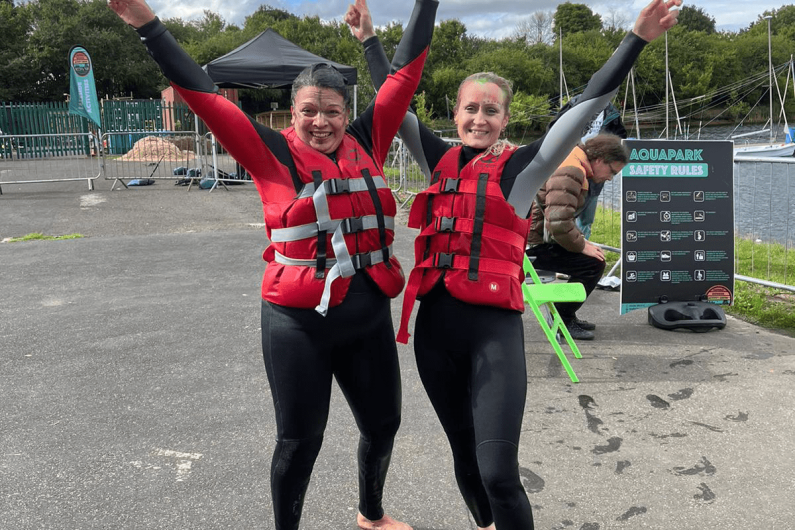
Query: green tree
x: 574, y: 18
x: 264, y: 17
x: 445, y: 81
x: 14, y: 26
x: 696, y: 19
x: 528, y: 112
x: 583, y: 54
x: 527, y: 74
x: 450, y: 48
x: 50, y: 28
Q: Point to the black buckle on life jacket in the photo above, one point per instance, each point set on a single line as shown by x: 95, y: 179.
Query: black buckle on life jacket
x: 361, y: 261
x: 449, y: 185
x: 351, y: 225
x: 335, y: 186
x: 443, y: 261
x: 445, y: 224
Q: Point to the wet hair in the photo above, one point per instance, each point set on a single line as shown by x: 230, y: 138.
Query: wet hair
x: 489, y: 77
x: 322, y: 75
x: 607, y: 148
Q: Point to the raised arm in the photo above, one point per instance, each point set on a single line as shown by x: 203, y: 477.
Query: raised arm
x: 549, y: 152
x: 418, y: 139
x: 254, y: 146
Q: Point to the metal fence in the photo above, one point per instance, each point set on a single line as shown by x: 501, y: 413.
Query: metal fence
x: 403, y: 174
x: 41, y: 158
x: 154, y: 155
x: 39, y: 118
x: 184, y: 157
x: 764, y: 212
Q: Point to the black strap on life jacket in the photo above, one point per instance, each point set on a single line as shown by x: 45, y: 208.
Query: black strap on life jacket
x: 477, y: 227
x: 429, y: 212
x: 379, y: 214
x: 320, y: 269
x: 290, y: 163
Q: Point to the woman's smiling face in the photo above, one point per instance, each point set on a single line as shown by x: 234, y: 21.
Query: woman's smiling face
x: 480, y: 114
x: 319, y: 117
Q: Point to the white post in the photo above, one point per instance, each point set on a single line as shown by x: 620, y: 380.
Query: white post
x: 666, y: 85
x: 770, y: 75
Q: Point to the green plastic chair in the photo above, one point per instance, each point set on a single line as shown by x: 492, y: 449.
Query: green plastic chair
x: 538, y: 294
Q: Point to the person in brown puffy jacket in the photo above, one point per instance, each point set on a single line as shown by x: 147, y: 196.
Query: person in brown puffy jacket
x: 554, y: 240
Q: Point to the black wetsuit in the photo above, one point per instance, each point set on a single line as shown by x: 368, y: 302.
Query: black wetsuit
x: 471, y: 358
x: 355, y: 342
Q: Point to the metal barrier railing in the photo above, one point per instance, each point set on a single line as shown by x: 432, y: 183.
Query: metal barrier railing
x: 403, y: 174
x: 764, y: 212
x: 165, y: 155
x: 42, y: 158
x: 220, y: 166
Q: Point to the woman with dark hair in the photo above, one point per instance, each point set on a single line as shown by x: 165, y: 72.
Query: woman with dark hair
x: 330, y: 218
x: 555, y: 242
x: 473, y: 222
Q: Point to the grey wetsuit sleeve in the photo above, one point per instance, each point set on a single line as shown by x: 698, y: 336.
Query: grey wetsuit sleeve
x: 563, y: 136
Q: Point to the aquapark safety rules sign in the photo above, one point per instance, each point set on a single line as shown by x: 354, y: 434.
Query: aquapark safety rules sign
x: 677, y: 223
x: 82, y: 89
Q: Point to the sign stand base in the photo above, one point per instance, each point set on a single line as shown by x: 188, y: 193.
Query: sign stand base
x: 695, y: 316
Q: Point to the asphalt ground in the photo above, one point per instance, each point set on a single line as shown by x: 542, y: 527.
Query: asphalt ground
x: 134, y: 395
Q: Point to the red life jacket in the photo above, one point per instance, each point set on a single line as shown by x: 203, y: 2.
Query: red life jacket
x: 342, y: 221
x: 469, y: 235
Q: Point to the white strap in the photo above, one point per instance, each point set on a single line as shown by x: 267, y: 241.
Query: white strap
x: 353, y: 185
x: 350, y: 225
x: 336, y: 271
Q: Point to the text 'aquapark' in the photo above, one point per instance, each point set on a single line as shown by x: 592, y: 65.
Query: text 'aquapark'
x: 666, y: 154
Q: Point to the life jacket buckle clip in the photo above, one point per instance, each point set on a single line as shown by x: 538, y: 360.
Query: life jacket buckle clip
x: 443, y: 261
x: 450, y: 185
x: 351, y: 225
x: 445, y: 224
x: 361, y: 261
x: 337, y: 186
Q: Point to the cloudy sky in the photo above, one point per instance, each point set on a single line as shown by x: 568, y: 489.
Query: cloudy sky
x: 486, y: 18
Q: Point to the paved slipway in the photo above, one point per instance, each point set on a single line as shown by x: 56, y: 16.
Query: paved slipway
x: 134, y: 396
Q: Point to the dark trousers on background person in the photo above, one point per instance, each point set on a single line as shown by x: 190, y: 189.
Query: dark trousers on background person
x: 580, y: 268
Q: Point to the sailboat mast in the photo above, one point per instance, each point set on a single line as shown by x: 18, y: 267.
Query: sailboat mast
x: 560, y: 43
x: 770, y: 76
x: 666, y: 85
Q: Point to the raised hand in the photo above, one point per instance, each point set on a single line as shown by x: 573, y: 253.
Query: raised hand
x: 359, y: 20
x: 134, y: 12
x: 656, y: 18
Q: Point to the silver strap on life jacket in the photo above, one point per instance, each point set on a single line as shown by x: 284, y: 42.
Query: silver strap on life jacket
x: 339, y: 268
x: 343, y: 263
x: 349, y: 226
x: 334, y: 186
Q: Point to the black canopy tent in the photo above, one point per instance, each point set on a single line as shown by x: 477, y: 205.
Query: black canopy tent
x: 267, y: 61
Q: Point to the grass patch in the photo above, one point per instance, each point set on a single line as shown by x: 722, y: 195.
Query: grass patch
x: 765, y: 306
x: 37, y: 236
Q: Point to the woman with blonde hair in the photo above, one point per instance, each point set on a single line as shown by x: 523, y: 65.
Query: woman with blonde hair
x: 473, y: 222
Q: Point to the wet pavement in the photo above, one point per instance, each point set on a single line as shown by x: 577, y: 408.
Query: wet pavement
x: 134, y: 396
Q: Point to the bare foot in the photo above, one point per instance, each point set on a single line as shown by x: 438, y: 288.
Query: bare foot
x: 384, y: 523
x: 490, y: 527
